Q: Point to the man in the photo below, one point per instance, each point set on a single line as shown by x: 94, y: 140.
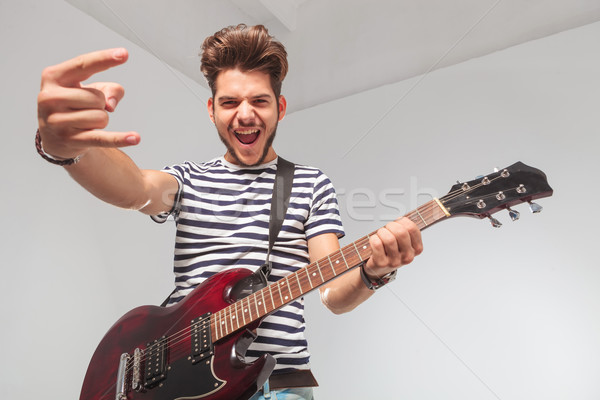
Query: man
x: 222, y: 206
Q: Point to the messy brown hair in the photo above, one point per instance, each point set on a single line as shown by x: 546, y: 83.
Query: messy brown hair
x: 246, y: 48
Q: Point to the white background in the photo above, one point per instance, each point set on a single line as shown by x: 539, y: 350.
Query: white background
x: 510, y: 313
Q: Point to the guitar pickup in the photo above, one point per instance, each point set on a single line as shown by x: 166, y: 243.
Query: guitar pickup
x: 156, y: 362
x: 202, y: 346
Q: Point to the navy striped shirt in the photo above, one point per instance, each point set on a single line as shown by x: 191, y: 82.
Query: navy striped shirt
x: 222, y: 216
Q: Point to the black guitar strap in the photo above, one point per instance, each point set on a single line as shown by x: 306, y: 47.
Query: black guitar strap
x: 282, y: 190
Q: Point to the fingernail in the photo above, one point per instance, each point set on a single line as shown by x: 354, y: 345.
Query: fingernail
x: 131, y: 139
x: 112, y: 103
x: 119, y: 54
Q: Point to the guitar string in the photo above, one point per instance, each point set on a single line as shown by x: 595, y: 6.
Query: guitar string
x: 175, y: 339
x: 174, y: 342
x: 471, y: 188
x: 424, y: 209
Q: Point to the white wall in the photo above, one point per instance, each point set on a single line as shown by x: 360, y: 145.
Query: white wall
x: 484, y: 313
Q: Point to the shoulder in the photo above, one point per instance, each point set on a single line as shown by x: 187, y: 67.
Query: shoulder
x: 309, y: 173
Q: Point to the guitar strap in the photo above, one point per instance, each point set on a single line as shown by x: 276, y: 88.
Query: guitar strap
x: 282, y: 190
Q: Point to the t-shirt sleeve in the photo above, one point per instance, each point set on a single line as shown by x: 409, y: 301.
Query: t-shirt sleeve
x: 324, y: 211
x: 179, y: 172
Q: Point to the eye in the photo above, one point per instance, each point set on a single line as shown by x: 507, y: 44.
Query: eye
x: 228, y: 103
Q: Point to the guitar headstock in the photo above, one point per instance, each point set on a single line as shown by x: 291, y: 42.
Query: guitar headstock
x: 499, y: 190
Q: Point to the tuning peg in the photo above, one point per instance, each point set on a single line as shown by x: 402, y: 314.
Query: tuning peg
x: 495, y: 222
x: 534, y: 207
x: 514, y: 215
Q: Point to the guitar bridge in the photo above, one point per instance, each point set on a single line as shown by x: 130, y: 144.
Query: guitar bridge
x: 202, y: 346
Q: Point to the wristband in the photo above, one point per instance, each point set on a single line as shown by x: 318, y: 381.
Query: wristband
x: 52, y: 159
x: 374, y: 285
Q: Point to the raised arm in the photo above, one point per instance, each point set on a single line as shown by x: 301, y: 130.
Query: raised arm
x: 71, y: 119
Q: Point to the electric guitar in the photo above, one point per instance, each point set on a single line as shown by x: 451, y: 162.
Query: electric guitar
x: 195, y: 349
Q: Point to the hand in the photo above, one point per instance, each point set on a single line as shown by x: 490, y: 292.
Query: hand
x: 393, y: 246
x: 71, y: 114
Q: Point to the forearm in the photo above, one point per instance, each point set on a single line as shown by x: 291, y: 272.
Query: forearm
x: 113, y: 177
x: 345, y: 293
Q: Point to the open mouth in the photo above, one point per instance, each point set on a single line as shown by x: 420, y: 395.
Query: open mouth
x: 247, y: 136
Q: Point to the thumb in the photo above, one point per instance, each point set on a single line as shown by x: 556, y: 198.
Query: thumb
x: 113, y: 93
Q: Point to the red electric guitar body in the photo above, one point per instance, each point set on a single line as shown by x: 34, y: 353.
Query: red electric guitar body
x: 171, y: 372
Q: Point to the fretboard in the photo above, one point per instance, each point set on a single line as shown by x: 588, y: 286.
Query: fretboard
x: 297, y: 284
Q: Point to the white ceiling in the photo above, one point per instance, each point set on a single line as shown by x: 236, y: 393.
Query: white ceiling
x: 340, y: 47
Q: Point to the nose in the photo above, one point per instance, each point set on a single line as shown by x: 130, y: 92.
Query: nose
x: 245, y: 112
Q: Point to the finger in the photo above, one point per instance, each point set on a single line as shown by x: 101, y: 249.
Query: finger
x: 385, y: 254
x: 401, y: 230
x: 96, y: 138
x: 415, y: 234
x: 377, y: 258
x: 78, y: 69
x: 75, y: 121
x: 113, y: 93
x: 61, y: 99
x: 396, y: 242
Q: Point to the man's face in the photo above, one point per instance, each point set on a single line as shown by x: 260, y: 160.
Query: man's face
x: 246, y: 112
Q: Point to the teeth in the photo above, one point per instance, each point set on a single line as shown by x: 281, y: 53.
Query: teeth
x: 246, y: 132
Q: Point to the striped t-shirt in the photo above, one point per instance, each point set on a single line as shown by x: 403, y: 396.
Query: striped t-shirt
x: 222, y: 216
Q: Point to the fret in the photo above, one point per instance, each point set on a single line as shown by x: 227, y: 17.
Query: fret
x: 248, y: 309
x: 344, y: 257
x: 243, y: 310
x: 280, y: 294
x: 270, y: 288
x: 309, y: 280
x: 256, y: 304
x: 214, y: 331
x: 236, y: 315
x: 214, y: 325
x: 225, y: 319
x: 299, y: 284
x: 262, y: 293
x: 228, y: 320
x: 319, y: 269
x: 357, y: 252
x: 221, y: 322
x: 288, y: 285
x: 332, y: 268
x: 242, y: 314
x: 420, y: 216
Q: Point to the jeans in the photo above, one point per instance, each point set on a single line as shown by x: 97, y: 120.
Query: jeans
x: 285, y: 394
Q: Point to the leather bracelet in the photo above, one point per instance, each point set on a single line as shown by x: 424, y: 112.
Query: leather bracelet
x: 50, y: 158
x: 380, y: 282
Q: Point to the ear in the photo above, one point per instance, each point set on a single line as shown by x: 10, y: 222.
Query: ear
x: 282, y: 107
x: 211, y: 109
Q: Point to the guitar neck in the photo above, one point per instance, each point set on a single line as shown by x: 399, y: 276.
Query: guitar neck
x: 314, y: 275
